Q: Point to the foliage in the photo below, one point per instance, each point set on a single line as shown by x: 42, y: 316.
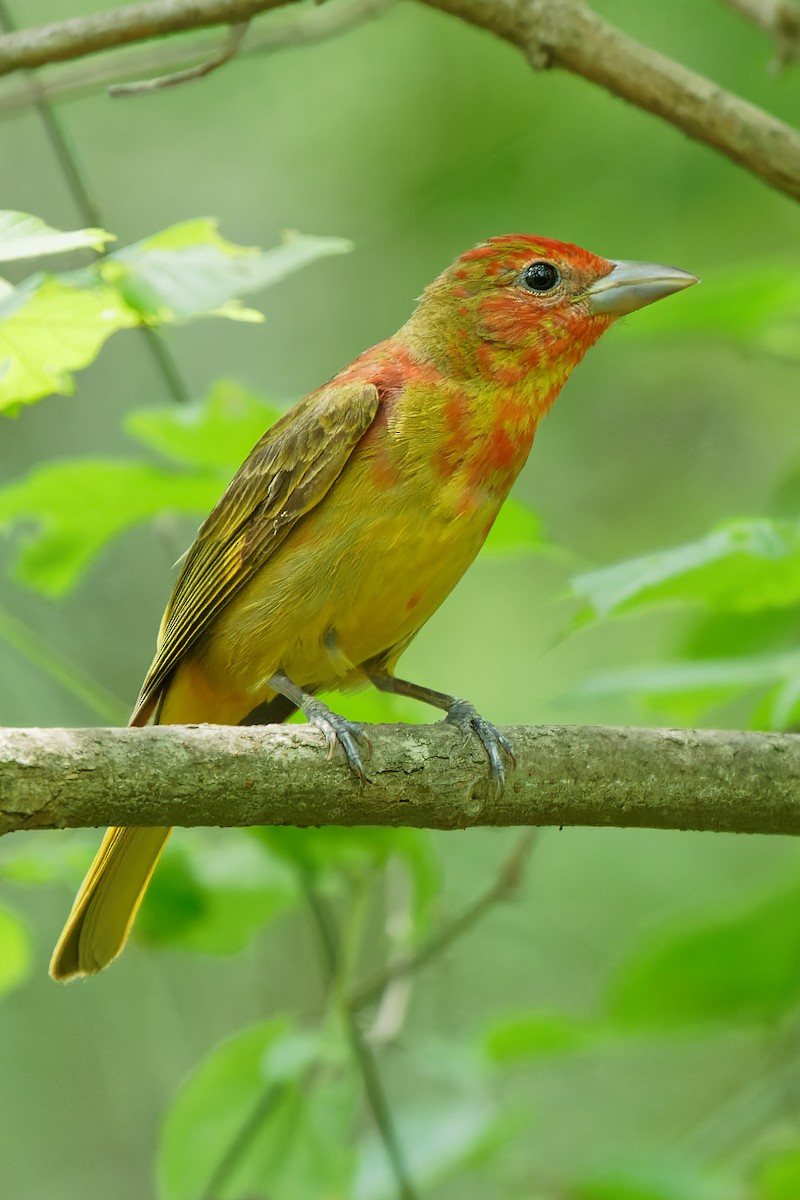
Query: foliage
x: 709, y: 965
x: 52, y: 325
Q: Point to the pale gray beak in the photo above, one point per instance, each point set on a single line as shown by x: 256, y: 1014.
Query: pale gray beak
x: 633, y: 285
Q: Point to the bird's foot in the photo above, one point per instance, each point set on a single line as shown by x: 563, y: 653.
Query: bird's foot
x: 465, y: 717
x: 338, y: 731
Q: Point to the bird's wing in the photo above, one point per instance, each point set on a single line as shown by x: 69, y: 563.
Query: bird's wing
x: 285, y: 475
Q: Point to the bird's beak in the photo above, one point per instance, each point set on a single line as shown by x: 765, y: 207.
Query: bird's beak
x: 632, y: 285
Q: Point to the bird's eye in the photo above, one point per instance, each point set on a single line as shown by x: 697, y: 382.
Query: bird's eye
x: 540, y: 277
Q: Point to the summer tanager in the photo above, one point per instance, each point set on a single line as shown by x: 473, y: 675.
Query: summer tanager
x: 354, y: 516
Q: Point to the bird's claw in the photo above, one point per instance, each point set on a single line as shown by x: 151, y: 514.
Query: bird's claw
x: 466, y: 718
x: 339, y: 731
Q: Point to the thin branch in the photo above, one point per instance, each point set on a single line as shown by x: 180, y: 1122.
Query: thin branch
x: 781, y: 20
x: 291, y: 28
x: 567, y: 34
x: 551, y: 33
x: 251, y: 1126
x: 79, y: 36
x: 226, y: 52
x: 507, y: 881
x: 423, y: 776
x: 363, y: 1055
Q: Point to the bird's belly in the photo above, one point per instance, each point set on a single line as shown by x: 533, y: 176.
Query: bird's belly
x: 340, y: 592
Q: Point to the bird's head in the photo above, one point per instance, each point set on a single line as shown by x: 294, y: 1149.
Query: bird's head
x: 528, y: 304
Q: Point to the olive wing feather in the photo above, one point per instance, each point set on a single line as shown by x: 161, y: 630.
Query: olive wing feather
x: 286, y: 474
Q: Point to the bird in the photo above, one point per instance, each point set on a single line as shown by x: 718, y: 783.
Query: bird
x: 353, y: 518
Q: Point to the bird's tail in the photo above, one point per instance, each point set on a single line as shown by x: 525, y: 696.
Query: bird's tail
x: 108, y: 900
x: 106, y: 905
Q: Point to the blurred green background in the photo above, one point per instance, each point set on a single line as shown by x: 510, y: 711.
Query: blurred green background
x: 415, y: 137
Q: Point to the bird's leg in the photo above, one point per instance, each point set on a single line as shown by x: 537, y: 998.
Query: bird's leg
x: 335, y: 728
x: 460, y: 713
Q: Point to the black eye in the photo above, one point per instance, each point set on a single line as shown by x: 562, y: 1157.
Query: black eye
x: 541, y: 277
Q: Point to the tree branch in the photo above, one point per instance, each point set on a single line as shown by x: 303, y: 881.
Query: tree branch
x: 227, y: 51
x: 298, y: 27
x: 79, y: 36
x: 567, y: 34
x: 780, y: 18
x: 551, y: 33
x: 422, y: 776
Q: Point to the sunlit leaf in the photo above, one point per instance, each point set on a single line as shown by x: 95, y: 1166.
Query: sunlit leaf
x: 190, y: 269
x: 15, y: 951
x: 50, y: 328
x: 218, y: 432
x: 51, y: 325
x: 743, y: 566
x: 283, y: 1100
x: 734, y: 968
x: 24, y: 236
x: 72, y: 509
x: 213, y: 891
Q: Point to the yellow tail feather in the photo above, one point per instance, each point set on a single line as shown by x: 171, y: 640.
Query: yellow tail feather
x: 107, y: 902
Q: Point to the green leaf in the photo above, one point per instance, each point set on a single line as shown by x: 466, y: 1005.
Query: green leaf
x: 655, y: 1181
x: 743, y: 566
x: 15, y: 951
x: 517, y: 530
x: 733, y: 969
x: 76, y: 507
x: 690, y: 687
x: 781, y: 708
x: 23, y: 236
x: 49, y: 328
x: 330, y: 847
x: 536, y: 1035
x: 331, y: 853
x: 190, y: 269
x: 282, y: 1099
x: 778, y: 1176
x: 213, y: 891
x: 51, y: 325
x: 217, y: 433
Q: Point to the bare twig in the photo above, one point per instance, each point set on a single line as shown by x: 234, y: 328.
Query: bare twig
x: 266, y: 1103
x: 362, y: 1054
x: 781, y: 20
x: 226, y: 52
x: 507, y: 881
x: 422, y: 775
x: 290, y: 28
x: 79, y: 36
